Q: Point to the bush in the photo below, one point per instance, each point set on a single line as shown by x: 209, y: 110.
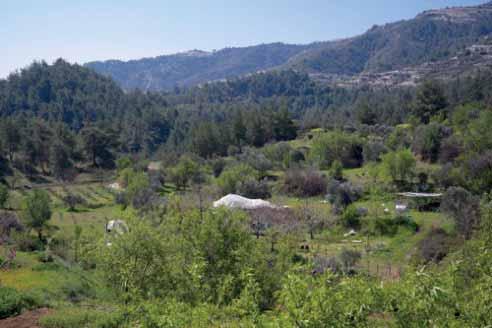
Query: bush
x: 427, y: 142
x: 72, y: 200
x: 451, y: 148
x: 232, y: 177
x: 77, y: 290
x: 390, y: 226
x: 123, y: 163
x: 218, y: 166
x: 384, y: 226
x: 349, y: 258
x: 296, y: 156
x: 81, y: 318
x: 184, y: 172
x: 435, y: 246
x: 9, y: 223
x: 26, y: 242
x: 400, y: 138
x: 342, y: 194
x: 256, y: 160
x: 254, y: 189
x: 304, y: 183
x: 373, y: 150
x: 448, y: 176
x: 464, y: 208
x: 344, y: 147
x: 277, y: 153
x: 4, y: 195
x: 336, y: 171
x: 478, y: 172
x: 407, y: 222
x: 323, y: 264
x: 400, y: 166
x: 45, y: 257
x: 10, y: 302
x: 351, y: 217
x: 13, y: 302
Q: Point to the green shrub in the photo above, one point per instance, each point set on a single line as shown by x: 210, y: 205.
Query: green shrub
x: 304, y: 183
x: 384, y: 226
x: 351, y: 217
x: 337, y: 146
x: 13, y: 302
x: 4, y: 195
x: 400, y: 166
x: 27, y: 242
x: 407, y: 222
x: 81, y: 318
x: 76, y: 290
x: 389, y: 226
x: 232, y: 177
x: 10, y: 302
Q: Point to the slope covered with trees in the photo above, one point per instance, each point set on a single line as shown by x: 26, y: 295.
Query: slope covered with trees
x: 430, y: 37
x: 106, y: 214
x: 195, y: 67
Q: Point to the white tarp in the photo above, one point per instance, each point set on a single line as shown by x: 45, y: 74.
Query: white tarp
x: 236, y: 201
x: 115, y: 186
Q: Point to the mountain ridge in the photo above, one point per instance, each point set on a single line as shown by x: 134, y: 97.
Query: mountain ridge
x: 433, y: 36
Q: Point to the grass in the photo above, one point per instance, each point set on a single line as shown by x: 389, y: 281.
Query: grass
x: 73, y: 317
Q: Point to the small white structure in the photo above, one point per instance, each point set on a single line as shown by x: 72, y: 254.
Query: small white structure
x: 154, y: 166
x: 401, y: 208
x: 236, y: 201
x: 350, y: 233
x: 116, y: 226
x: 419, y: 195
x: 115, y: 186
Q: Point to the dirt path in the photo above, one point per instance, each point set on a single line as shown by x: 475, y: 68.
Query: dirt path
x: 25, y: 320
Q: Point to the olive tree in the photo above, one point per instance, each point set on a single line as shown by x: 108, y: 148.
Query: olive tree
x: 464, y: 208
x: 400, y: 165
x: 36, y: 211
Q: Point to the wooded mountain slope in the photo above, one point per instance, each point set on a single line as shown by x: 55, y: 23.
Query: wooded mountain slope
x: 430, y: 37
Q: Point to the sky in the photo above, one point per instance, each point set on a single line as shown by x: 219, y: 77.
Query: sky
x: 86, y: 30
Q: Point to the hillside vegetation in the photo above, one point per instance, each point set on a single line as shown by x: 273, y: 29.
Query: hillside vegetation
x: 420, y: 44
x: 107, y: 217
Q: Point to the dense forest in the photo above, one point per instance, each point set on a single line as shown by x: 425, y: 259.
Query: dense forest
x: 379, y: 215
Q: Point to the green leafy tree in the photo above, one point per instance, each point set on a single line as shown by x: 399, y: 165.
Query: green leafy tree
x: 98, y: 146
x: 283, y: 126
x: 478, y: 135
x: 337, y: 146
x: 430, y: 101
x: 231, y: 178
x: 427, y: 141
x: 184, y: 172
x: 60, y: 161
x: 10, y: 136
x: 400, y: 166
x: 464, y: 208
x: 4, y: 195
x: 239, y: 130
x: 36, y: 211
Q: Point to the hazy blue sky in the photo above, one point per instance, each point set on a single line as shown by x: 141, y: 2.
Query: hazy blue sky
x: 85, y: 30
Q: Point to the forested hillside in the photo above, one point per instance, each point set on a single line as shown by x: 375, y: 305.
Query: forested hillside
x: 195, y: 67
x: 375, y: 211
x: 431, y: 36
x: 428, y: 39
